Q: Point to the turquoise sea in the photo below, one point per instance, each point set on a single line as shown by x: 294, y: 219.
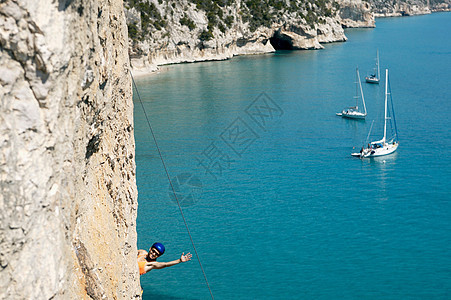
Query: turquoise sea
x: 276, y: 205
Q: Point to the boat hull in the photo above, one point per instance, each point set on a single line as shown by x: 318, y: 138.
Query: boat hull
x: 385, y: 150
x: 375, y: 152
x: 355, y: 115
x: 372, y: 80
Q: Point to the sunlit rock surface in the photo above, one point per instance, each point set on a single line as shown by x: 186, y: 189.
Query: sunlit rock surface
x: 68, y: 195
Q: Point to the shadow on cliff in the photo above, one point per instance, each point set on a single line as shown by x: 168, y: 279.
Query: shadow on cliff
x: 281, y: 42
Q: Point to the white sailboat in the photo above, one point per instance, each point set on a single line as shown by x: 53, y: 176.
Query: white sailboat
x: 353, y: 111
x: 374, y: 78
x: 386, y: 145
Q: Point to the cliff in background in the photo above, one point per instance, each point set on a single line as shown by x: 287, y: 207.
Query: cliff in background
x: 397, y: 8
x: 356, y: 14
x: 163, y: 32
x: 169, y: 31
x: 68, y: 198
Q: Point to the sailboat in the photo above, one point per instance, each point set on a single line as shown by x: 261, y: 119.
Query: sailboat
x: 386, y: 145
x: 374, y: 78
x: 353, y: 111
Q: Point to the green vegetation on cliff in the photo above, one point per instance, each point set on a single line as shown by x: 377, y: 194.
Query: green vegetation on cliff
x: 150, y: 16
x: 160, y: 15
x: 222, y: 14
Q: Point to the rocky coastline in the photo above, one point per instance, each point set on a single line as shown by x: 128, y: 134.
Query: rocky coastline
x: 399, y: 8
x: 180, y: 41
x: 179, y: 36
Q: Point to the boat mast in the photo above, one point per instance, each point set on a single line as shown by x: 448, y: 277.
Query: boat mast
x: 361, y: 91
x: 357, y: 88
x: 378, y: 68
x: 386, y: 96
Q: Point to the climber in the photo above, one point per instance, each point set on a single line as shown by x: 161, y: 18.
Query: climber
x: 148, y: 260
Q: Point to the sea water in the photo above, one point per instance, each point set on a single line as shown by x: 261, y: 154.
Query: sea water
x: 276, y: 206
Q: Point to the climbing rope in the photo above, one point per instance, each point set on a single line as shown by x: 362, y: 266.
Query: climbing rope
x: 170, y: 183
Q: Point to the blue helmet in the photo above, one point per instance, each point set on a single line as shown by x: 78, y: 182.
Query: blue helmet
x: 159, y: 247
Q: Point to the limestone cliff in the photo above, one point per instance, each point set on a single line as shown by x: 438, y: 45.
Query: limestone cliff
x: 168, y: 31
x: 398, y: 8
x: 356, y: 13
x: 68, y: 195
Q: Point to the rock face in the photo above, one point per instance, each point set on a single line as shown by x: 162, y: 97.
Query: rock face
x: 181, y: 31
x: 169, y: 31
x: 68, y: 195
x: 398, y: 8
x: 356, y: 13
